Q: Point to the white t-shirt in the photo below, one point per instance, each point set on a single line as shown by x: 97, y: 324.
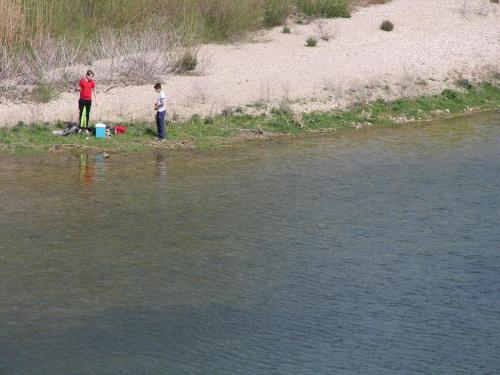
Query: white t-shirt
x: 162, y: 99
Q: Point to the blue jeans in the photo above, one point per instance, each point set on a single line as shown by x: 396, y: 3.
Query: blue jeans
x: 160, y: 124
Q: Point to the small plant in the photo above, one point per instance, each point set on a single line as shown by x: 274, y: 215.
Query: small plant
x: 257, y: 104
x: 232, y: 111
x: 195, y: 119
x: 186, y: 62
x: 43, y: 93
x: 286, y: 30
x: 227, y: 112
x: 494, y: 1
x: 449, y: 94
x: 189, y: 62
x: 387, y: 26
x: 311, y: 41
x: 324, y: 31
x: 463, y: 83
x: 283, y: 109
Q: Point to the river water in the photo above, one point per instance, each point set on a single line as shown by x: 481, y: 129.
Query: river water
x: 366, y: 252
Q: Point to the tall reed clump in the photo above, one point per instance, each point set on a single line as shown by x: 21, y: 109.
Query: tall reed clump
x: 13, y: 22
x: 276, y: 11
x: 325, y: 8
x: 204, y: 20
x: 43, y: 41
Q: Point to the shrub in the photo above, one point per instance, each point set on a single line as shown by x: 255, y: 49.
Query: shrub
x: 195, y: 119
x: 325, y: 8
x: 286, y: 30
x: 43, y: 93
x: 187, y: 61
x: 324, y: 31
x: 387, y: 26
x: 275, y: 12
x: 487, y: 85
x: 463, y: 83
x: 311, y: 41
x: 449, y: 94
x: 494, y: 1
x: 224, y: 19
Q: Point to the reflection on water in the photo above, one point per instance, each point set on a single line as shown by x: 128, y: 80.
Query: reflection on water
x: 369, y: 252
x: 92, y: 168
x: 100, y: 167
x: 161, y: 168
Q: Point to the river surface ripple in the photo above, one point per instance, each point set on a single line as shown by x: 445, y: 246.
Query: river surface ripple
x: 367, y: 252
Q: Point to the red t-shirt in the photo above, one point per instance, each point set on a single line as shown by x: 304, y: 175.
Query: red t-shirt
x: 86, y: 89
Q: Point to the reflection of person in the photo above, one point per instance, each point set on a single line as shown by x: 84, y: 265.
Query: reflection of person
x: 86, y: 88
x: 161, y: 110
x: 161, y: 167
x: 86, y: 170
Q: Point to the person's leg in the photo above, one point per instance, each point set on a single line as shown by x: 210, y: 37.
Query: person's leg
x: 161, y: 133
x: 157, y: 118
x: 81, y: 119
x: 87, y: 112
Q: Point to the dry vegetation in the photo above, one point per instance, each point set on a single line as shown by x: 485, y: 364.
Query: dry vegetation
x: 41, y: 45
x: 366, y: 3
x: 28, y: 21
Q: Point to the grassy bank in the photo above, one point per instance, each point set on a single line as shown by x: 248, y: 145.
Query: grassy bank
x: 236, y: 126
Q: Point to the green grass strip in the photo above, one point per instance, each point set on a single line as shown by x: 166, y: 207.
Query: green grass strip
x: 235, y: 126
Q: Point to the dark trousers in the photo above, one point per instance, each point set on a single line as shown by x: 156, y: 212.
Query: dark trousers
x: 160, y: 124
x: 84, y: 106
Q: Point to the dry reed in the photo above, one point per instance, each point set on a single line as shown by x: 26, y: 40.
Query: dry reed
x: 42, y: 41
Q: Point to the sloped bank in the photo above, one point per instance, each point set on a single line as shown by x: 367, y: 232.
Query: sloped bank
x: 237, y: 126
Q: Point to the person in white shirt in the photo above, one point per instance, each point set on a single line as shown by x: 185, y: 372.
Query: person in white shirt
x: 161, y: 110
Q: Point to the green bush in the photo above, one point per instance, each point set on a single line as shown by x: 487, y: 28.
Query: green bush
x: 311, y: 41
x: 226, y: 18
x: 463, y: 83
x: 325, y: 8
x: 387, y: 26
x: 275, y: 12
x: 43, y: 93
x: 449, y: 94
x: 286, y: 30
x: 187, y: 61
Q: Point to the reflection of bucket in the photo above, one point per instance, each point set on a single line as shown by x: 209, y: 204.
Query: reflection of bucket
x: 100, y: 130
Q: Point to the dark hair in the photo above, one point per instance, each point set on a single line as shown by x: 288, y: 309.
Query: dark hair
x: 90, y: 73
x: 158, y: 86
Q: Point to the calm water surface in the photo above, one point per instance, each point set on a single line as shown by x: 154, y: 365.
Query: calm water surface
x: 374, y: 252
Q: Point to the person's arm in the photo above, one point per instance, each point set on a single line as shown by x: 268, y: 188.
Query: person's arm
x: 95, y: 95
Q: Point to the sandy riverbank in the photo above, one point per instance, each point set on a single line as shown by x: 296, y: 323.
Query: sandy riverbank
x: 432, y: 44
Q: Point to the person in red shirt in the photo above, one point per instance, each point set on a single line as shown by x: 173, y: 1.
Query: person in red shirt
x: 86, y: 88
